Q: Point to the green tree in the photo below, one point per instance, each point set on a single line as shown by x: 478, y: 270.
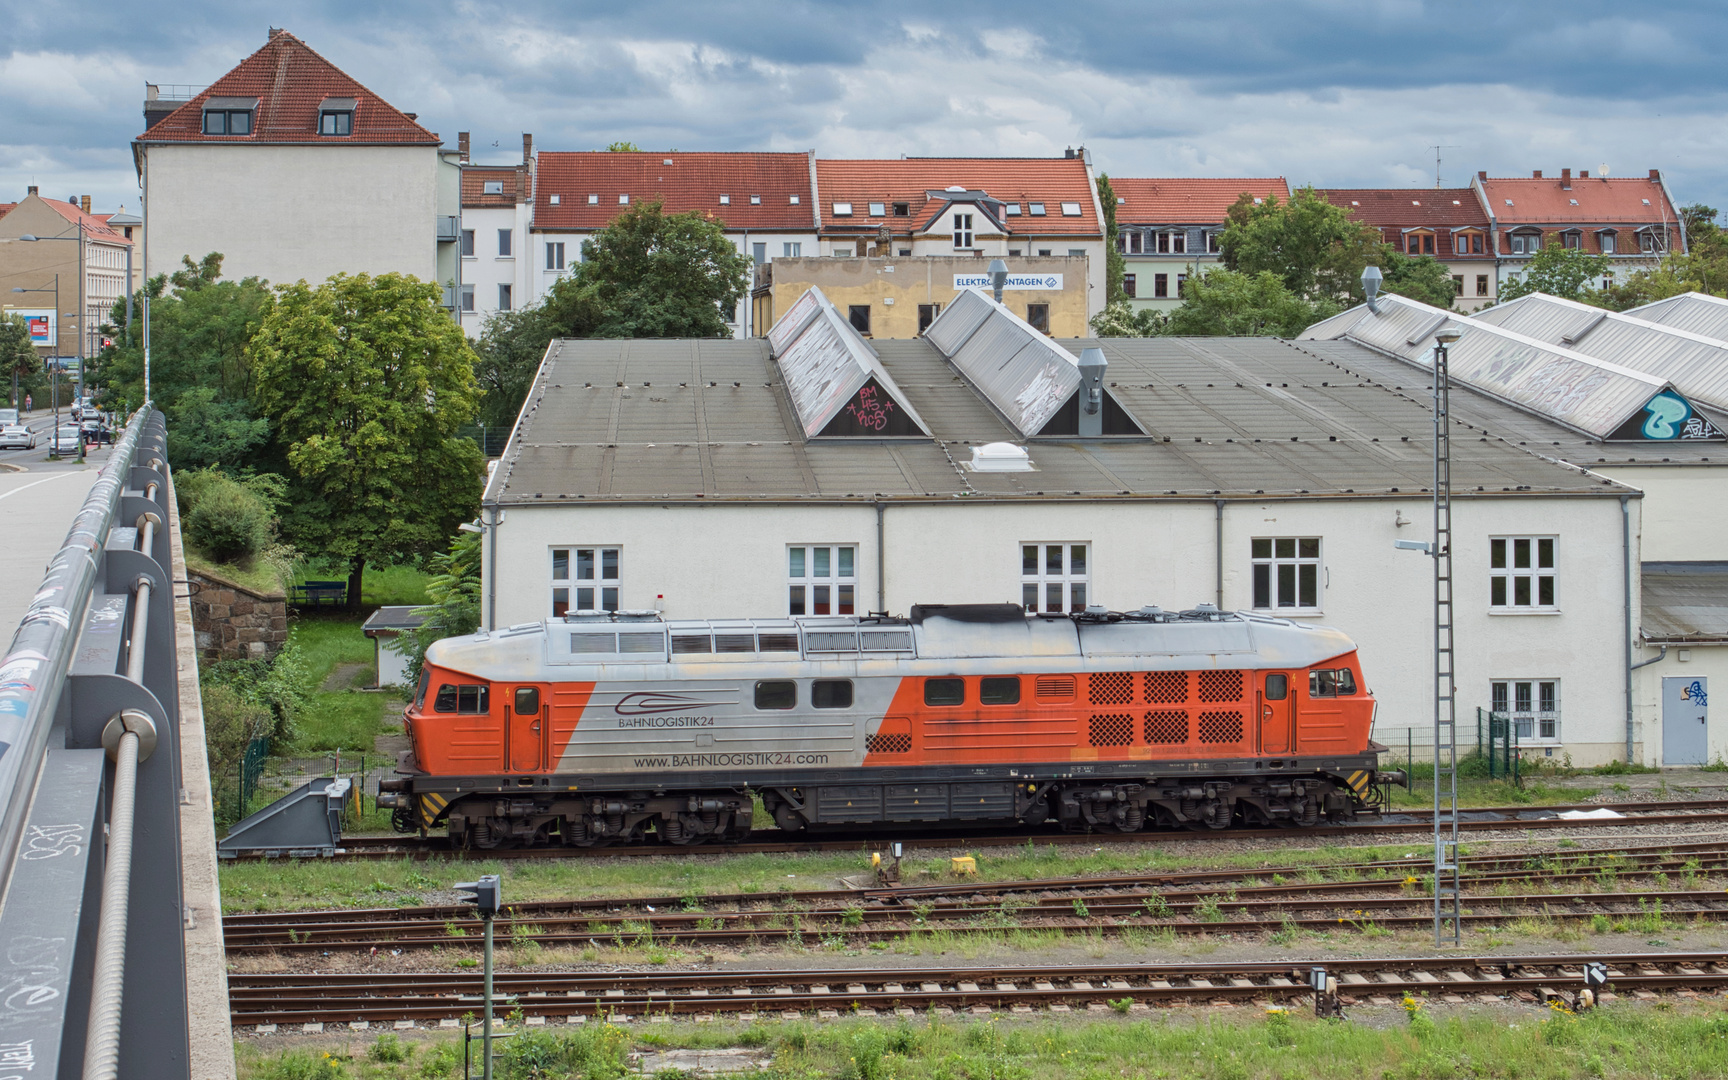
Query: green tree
x: 454, y: 590
x: 1315, y: 248
x: 509, y: 352
x: 365, y: 382
x: 17, y: 356
x: 1557, y: 271
x: 1114, y: 263
x: 1419, y: 277
x: 1696, y: 218
x: 1704, y: 268
x: 658, y: 275
x: 1121, y: 319
x: 623, y: 148
x: 1226, y: 302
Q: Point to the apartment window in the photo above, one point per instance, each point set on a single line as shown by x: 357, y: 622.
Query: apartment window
x: 1035, y: 209
x: 758, y: 253
x: 1212, y: 243
x: 1163, y: 243
x: 1526, y: 243
x: 1181, y: 285
x: 1607, y: 243
x: 822, y: 579
x: 792, y: 248
x: 877, y: 209
x: 1419, y: 244
x: 335, y: 122
x: 725, y: 200
x: 794, y: 201
x: 1286, y: 572
x: 1649, y: 243
x: 1458, y: 281
x: 846, y: 252
x: 902, y: 209
x: 1070, y: 209
x: 755, y: 200
x: 1055, y: 577
x: 1039, y: 316
x: 1043, y: 251
x: 504, y: 238
x: 926, y: 315
x: 1521, y: 573
x: 593, y: 200
x: 1011, y: 209
x: 1128, y: 285
x: 1178, y: 243
x: 962, y: 230
x: 492, y: 187
x: 842, y: 209
x: 585, y: 579
x: 1481, y: 284
x: 555, y: 256
x: 908, y: 251
x: 1076, y: 252
x: 1468, y: 243
x: 467, y: 298
x: 227, y: 121
x: 1011, y: 251
x: 503, y: 298
x: 1131, y: 242
x: 859, y: 316
x: 468, y: 243
x: 1161, y: 285
x: 1572, y: 241
x: 1532, y: 704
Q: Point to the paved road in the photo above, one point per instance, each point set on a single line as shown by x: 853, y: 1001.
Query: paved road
x: 37, y: 506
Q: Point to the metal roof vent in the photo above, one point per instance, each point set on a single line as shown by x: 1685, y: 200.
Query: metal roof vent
x: 1000, y: 457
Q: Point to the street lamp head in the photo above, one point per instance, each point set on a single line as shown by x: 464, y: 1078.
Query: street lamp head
x: 29, y: 239
x: 1448, y: 334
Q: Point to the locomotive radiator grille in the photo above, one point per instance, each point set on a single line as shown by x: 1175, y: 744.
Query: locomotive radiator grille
x: 1221, y: 727
x: 1220, y: 686
x: 1110, y: 688
x: 1055, y: 687
x: 1111, y: 729
x: 1166, y: 727
x: 1166, y: 687
x: 892, y: 742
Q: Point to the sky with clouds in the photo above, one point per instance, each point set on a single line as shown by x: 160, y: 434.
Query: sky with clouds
x: 1343, y: 93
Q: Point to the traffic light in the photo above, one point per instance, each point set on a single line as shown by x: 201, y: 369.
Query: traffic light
x: 484, y: 894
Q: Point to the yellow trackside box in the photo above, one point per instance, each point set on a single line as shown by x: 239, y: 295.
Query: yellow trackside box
x: 964, y: 865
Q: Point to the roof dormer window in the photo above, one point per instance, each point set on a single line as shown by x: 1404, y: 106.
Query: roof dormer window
x: 878, y: 209
x: 841, y: 209
x: 229, y: 115
x: 755, y: 200
x: 1035, y: 209
x: 1013, y: 209
x: 1070, y: 209
x: 725, y: 200
x: 336, y: 117
x: 492, y: 187
x: 794, y: 200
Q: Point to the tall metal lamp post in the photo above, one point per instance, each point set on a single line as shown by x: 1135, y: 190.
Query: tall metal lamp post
x: 83, y: 297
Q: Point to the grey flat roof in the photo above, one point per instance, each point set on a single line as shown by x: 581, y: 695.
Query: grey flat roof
x: 1684, y: 602
x: 392, y: 618
x: 611, y: 421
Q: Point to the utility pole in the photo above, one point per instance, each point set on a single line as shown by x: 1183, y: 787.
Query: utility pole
x: 1437, y: 150
x: 1447, y: 885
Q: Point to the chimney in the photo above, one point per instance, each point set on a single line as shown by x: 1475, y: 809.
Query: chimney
x: 1069, y: 154
x: 462, y: 145
x: 1566, y: 179
x: 32, y: 190
x: 1535, y: 174
x: 84, y: 202
x: 1655, y: 174
x: 412, y: 115
x: 527, y: 148
x: 1482, y: 175
x: 1583, y: 174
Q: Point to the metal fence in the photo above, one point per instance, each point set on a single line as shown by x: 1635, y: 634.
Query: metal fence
x: 491, y: 440
x: 1496, y: 736
x: 250, y: 770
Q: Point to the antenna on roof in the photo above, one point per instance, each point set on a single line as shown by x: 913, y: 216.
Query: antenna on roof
x: 1437, y: 150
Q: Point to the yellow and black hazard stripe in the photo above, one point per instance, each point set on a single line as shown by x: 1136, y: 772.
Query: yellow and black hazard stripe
x: 1359, y: 780
x: 431, y: 805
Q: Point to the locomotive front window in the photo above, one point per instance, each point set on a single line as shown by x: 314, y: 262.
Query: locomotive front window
x: 944, y: 691
x: 831, y: 693
x: 1277, y: 686
x: 776, y: 694
x: 461, y: 699
x: 1000, y: 690
x: 1322, y: 683
x: 527, y: 701
x: 420, y: 694
x: 1346, y: 682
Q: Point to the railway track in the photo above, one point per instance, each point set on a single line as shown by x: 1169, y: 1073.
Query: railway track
x: 269, y: 1003
x: 774, y: 841
x: 1385, y: 894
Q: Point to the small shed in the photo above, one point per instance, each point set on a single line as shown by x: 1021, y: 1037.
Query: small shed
x: 383, y: 627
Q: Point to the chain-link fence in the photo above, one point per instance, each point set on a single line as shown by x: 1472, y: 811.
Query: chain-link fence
x: 251, y: 770
x: 1494, y: 755
x: 491, y: 440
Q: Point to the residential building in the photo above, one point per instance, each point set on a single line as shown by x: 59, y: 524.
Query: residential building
x: 1168, y: 229
x: 887, y: 296
x: 765, y: 202
x: 498, y: 271
x: 978, y: 208
x: 347, y: 182
x: 1631, y: 220
x: 88, y: 257
x: 1448, y: 224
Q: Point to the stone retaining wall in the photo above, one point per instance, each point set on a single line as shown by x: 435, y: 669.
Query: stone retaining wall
x: 233, y: 622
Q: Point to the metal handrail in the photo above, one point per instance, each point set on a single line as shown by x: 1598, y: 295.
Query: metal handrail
x: 35, y: 667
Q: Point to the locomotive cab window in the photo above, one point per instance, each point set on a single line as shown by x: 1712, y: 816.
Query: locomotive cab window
x: 527, y: 701
x: 1000, y: 690
x: 944, y: 691
x: 831, y: 693
x: 1277, y: 686
x: 1324, y: 683
x: 420, y: 694
x: 461, y: 699
x: 777, y: 694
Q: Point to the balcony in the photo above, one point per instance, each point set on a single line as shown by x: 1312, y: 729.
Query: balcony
x: 449, y: 229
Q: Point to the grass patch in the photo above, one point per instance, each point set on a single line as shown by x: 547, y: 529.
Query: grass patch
x: 261, y: 576
x: 381, y: 585
x: 1681, y: 1041
x: 343, y: 718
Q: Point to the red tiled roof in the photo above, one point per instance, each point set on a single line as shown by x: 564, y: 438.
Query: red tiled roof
x: 474, y: 180
x: 95, y: 228
x: 6, y: 206
x: 1051, y: 181
x: 290, y: 81
x: 1621, y: 200
x: 693, y: 181
x: 1187, y: 200
x: 1401, y: 208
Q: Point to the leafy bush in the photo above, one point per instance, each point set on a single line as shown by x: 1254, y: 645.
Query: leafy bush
x: 230, y: 723
x: 283, y: 685
x: 389, y: 1049
x: 304, y: 1065
x: 228, y: 522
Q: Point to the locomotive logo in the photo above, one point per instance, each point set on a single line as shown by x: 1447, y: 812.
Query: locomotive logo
x: 650, y: 703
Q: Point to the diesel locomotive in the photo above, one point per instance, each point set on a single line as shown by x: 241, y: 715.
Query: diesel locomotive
x: 598, y: 728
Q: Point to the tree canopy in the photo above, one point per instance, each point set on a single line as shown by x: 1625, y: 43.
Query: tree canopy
x: 366, y: 382
x: 1557, y: 271
x: 1115, y: 265
x: 1420, y: 277
x: 1313, y: 247
x: 18, y: 357
x: 1226, y: 302
x: 1704, y: 268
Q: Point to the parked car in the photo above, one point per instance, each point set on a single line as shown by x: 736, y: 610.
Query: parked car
x: 96, y: 433
x: 17, y: 437
x: 67, y: 439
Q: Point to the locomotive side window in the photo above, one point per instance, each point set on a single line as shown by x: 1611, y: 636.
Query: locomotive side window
x: 776, y: 694
x: 527, y: 701
x: 944, y: 691
x: 1277, y: 686
x: 420, y: 694
x: 1339, y: 683
x: 831, y: 693
x: 1000, y: 690
x: 1346, y: 682
x: 461, y: 699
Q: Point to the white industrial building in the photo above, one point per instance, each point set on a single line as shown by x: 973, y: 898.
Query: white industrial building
x: 817, y: 472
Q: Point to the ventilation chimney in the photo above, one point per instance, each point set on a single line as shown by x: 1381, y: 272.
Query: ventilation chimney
x: 527, y: 148
x: 1655, y: 174
x: 462, y: 146
x: 1583, y: 174
x: 1535, y: 174
x: 1092, y: 365
x: 84, y: 202
x: 1482, y: 175
x: 1566, y: 179
x: 412, y: 115
x: 1069, y: 153
x: 31, y: 190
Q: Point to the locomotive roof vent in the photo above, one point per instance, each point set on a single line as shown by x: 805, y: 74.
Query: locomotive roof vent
x: 981, y: 613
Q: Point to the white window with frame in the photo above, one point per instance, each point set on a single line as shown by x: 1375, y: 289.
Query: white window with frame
x: 1532, y: 704
x: 585, y: 579
x: 821, y: 579
x: 555, y: 256
x: 1055, y: 577
x: 1212, y: 242
x: 1286, y: 573
x: 505, y: 250
x: 1607, y: 238
x: 962, y: 231
x: 1521, y: 573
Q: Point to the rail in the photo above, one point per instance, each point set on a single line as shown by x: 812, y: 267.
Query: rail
x: 91, y: 911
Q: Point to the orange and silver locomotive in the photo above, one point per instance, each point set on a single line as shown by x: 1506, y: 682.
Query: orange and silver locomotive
x: 602, y: 728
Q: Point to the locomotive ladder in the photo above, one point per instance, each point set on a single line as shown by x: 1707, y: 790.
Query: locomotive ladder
x: 1447, y: 887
